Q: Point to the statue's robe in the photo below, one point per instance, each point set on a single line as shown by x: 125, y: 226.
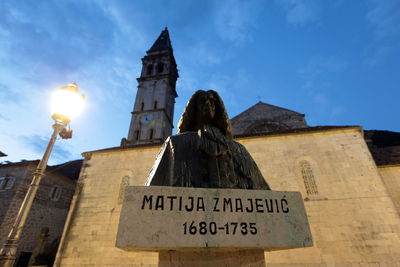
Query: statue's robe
x: 206, y: 159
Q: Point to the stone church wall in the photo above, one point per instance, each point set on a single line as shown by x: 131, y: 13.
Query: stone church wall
x: 391, y: 178
x: 90, y: 239
x: 11, y: 199
x: 352, y: 217
x: 44, y: 211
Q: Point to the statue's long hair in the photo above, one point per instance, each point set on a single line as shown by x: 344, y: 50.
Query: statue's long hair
x: 187, y: 123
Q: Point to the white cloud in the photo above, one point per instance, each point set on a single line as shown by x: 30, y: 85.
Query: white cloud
x: 384, y: 15
x: 235, y: 19
x: 336, y: 112
x: 318, y: 66
x: 301, y: 12
x: 321, y: 99
x: 377, y: 55
x: 318, y: 85
x: 328, y: 111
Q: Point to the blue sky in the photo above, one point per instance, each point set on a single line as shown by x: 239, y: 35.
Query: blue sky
x: 336, y: 61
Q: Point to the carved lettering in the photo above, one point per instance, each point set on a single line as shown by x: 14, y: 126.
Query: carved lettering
x: 190, y: 203
x: 276, y: 205
x: 259, y: 205
x: 216, y: 204
x: 200, y: 204
x: 284, y: 206
x: 227, y: 204
x: 160, y: 203
x: 148, y: 200
x: 270, y: 206
x: 171, y: 205
x: 190, y: 208
x: 238, y: 205
x: 251, y: 205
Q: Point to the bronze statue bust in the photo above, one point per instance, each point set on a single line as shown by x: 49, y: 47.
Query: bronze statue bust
x: 203, y: 153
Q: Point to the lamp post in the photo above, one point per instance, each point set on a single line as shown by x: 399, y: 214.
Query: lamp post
x: 66, y: 103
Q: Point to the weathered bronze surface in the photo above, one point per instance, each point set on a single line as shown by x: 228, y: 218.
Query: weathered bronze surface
x: 203, y: 153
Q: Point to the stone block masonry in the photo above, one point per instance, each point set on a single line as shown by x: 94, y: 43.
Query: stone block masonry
x: 352, y: 217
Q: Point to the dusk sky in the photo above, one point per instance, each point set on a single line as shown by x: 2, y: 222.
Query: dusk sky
x: 336, y: 61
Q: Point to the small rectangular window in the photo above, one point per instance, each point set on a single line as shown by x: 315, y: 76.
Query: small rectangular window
x: 55, y: 193
x: 149, y: 69
x: 160, y: 67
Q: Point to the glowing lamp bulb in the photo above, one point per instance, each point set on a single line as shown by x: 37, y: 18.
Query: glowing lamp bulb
x: 66, y: 103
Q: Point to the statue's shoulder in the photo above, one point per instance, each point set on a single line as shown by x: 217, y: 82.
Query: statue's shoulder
x: 182, y: 138
x: 232, y: 142
x: 238, y: 147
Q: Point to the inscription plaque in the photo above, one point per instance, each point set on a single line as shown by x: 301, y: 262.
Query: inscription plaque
x: 164, y: 218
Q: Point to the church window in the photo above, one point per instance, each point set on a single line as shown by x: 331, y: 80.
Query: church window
x: 151, y: 133
x: 6, y: 182
x: 55, y: 193
x: 155, y: 104
x: 142, y: 107
x: 137, y: 133
x: 160, y: 67
x: 149, y: 69
x: 308, y: 178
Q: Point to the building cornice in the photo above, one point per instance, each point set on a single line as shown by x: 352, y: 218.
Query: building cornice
x: 300, y: 131
x: 388, y: 166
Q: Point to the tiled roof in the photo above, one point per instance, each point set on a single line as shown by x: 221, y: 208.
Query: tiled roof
x: 70, y: 169
x: 265, y: 106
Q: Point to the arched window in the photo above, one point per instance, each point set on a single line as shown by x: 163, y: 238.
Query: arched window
x: 137, y: 133
x: 160, y: 67
x: 149, y: 69
x: 6, y: 182
x: 151, y: 133
x: 155, y: 104
x: 142, y: 106
x: 308, y: 178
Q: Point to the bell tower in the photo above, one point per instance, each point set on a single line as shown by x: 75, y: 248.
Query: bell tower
x: 152, y: 116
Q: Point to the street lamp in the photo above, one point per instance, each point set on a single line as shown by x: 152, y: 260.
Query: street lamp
x: 66, y: 104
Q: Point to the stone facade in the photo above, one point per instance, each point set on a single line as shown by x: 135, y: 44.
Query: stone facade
x: 48, y: 211
x: 352, y: 214
x: 263, y: 117
x: 391, y: 178
x: 352, y: 206
x: 89, y: 238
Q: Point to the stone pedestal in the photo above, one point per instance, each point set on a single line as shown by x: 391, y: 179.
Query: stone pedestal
x: 212, y: 258
x: 211, y: 227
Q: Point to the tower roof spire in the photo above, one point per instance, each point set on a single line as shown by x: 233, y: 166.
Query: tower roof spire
x: 162, y: 43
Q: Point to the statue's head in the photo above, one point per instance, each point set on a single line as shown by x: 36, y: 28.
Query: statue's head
x: 205, y: 107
